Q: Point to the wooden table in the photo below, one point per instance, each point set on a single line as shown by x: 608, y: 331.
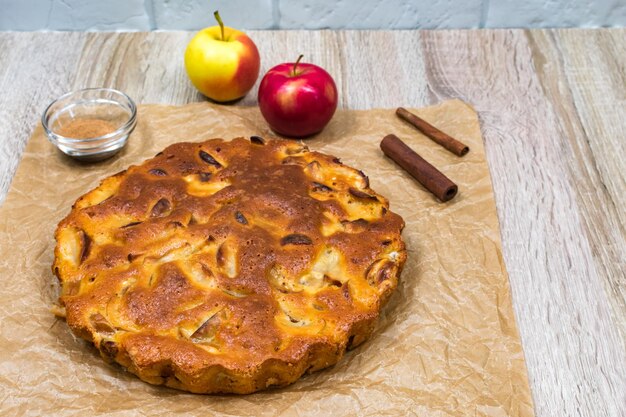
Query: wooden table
x: 552, y: 105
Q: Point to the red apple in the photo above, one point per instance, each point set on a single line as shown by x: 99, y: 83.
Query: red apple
x: 297, y: 99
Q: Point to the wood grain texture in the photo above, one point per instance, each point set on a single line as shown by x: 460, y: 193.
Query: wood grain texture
x: 572, y: 342
x: 552, y: 107
x: 591, y: 105
x: 33, y: 71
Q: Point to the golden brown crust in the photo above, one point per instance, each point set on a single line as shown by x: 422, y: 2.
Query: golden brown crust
x: 222, y: 267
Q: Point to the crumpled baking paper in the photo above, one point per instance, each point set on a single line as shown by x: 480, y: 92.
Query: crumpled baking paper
x: 446, y: 343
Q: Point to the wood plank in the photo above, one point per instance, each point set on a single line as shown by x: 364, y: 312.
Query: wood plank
x: 583, y: 72
x: 573, y: 349
x: 383, y: 69
x: 146, y: 66
x: 33, y: 71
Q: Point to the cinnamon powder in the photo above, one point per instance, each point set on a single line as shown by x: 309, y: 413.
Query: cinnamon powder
x: 86, y: 128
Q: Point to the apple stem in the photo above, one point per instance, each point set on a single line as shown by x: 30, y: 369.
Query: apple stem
x: 219, y: 20
x: 296, y: 64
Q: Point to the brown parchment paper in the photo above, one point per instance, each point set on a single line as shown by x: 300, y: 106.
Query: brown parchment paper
x: 446, y: 344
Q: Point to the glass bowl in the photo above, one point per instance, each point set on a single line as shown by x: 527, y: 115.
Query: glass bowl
x: 91, y: 124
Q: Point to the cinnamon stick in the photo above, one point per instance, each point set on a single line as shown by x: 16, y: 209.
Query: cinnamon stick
x: 443, y: 139
x: 427, y: 175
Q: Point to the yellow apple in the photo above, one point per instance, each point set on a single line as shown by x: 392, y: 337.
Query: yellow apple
x: 222, y: 63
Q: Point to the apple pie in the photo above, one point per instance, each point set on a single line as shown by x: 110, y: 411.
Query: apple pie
x: 228, y: 266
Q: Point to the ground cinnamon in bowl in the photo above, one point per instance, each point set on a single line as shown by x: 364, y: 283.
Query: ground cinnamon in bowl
x: 86, y: 128
x: 90, y: 124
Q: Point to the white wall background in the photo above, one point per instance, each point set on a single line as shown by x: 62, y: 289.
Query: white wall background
x: 307, y: 14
